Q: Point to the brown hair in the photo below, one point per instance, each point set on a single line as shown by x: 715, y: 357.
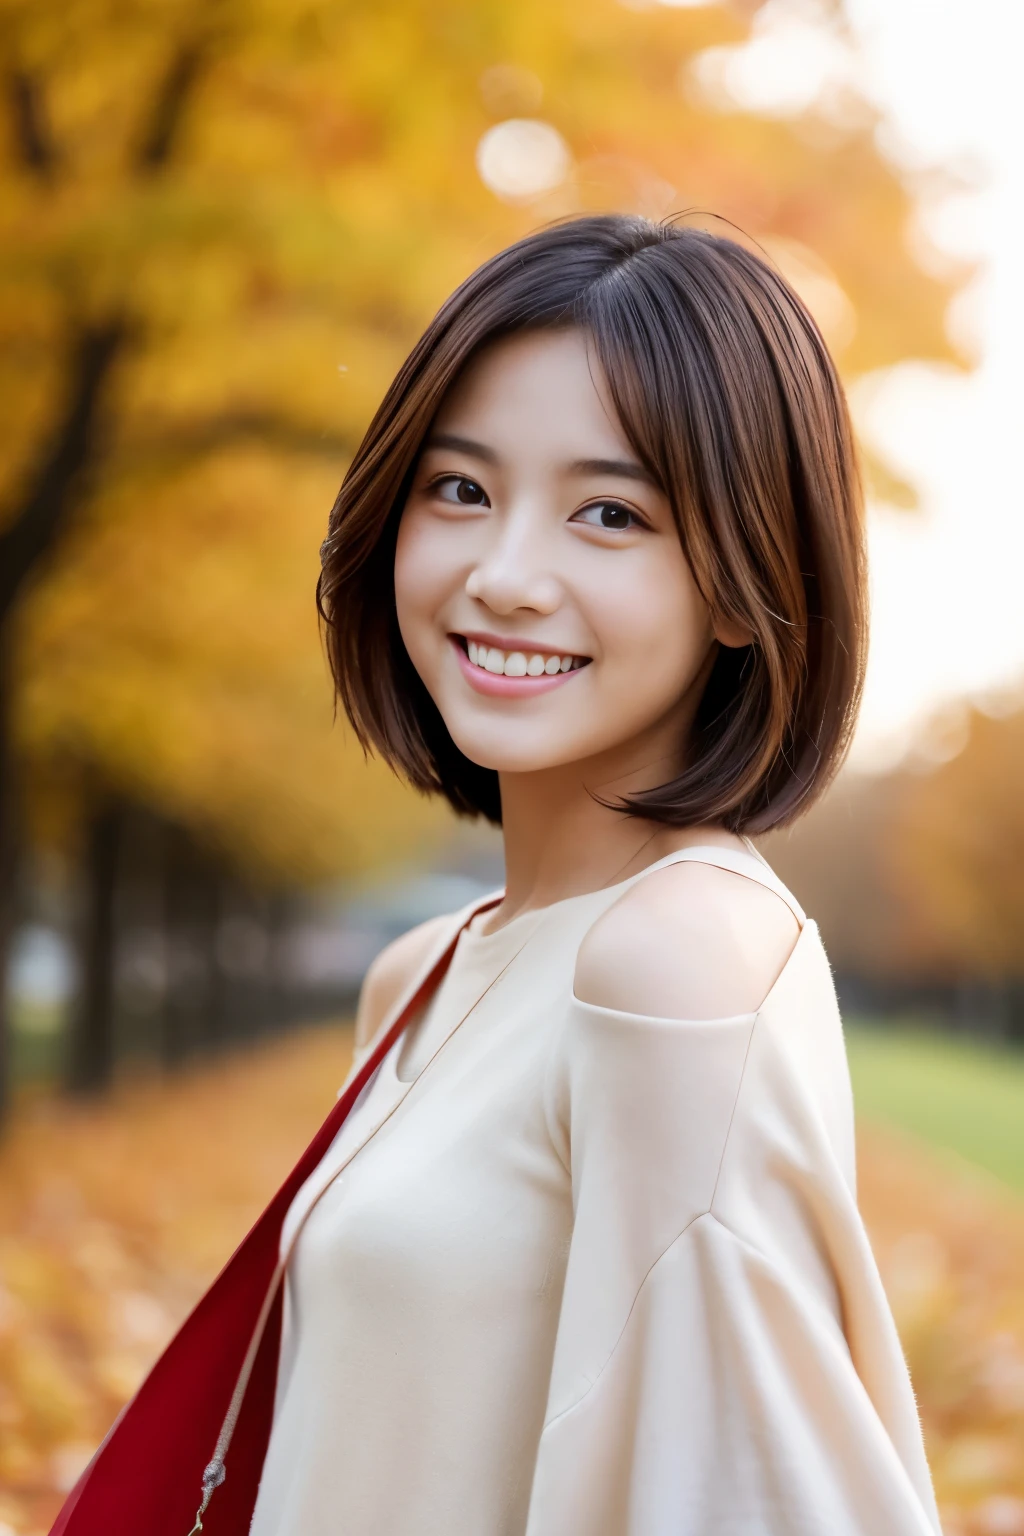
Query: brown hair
x: 727, y: 394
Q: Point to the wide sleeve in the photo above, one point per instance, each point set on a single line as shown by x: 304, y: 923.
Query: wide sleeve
x: 726, y: 1363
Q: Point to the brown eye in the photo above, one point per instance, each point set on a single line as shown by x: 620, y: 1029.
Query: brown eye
x: 609, y: 514
x: 614, y: 517
x: 458, y: 488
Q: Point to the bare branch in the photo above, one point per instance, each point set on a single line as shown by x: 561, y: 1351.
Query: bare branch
x: 32, y: 136
x: 56, y: 485
x: 178, y: 441
x: 159, y: 137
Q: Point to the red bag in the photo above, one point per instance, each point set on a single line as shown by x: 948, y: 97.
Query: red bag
x: 214, y: 1384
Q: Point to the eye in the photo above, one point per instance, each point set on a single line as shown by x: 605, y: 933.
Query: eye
x: 611, y: 515
x: 457, y: 488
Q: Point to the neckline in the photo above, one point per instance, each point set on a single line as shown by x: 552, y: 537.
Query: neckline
x: 677, y: 855
x: 486, y: 949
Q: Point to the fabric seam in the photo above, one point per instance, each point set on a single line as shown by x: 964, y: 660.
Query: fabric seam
x: 670, y: 1245
x: 547, y: 1093
x: 732, y: 1112
x: 750, y: 1248
x: 625, y: 1322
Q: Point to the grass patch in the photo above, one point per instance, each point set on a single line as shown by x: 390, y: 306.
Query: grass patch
x: 960, y: 1095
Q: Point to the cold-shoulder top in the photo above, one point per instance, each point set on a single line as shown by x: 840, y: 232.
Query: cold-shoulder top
x: 567, y: 1271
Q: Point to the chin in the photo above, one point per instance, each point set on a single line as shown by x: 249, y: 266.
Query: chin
x: 510, y: 751
x: 509, y: 759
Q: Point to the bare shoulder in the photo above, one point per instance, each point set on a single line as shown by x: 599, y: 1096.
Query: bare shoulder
x: 390, y: 973
x: 690, y: 941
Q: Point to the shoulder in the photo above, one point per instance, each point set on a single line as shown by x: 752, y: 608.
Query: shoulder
x: 390, y: 973
x: 690, y: 941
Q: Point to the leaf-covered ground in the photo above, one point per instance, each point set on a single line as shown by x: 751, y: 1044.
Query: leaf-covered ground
x: 113, y: 1217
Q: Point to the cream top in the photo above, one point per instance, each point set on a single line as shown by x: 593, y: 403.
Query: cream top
x: 566, y: 1270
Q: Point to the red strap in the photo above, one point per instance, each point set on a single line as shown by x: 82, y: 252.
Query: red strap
x: 146, y: 1477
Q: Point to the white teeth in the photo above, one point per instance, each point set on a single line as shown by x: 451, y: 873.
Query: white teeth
x: 516, y: 663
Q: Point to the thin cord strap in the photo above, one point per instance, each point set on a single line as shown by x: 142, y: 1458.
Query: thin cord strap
x: 215, y: 1472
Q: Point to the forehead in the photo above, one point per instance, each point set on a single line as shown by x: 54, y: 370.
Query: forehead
x: 538, y: 392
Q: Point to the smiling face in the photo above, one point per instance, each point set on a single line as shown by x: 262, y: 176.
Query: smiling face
x: 541, y: 587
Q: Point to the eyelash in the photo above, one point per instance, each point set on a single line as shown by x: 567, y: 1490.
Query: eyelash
x: 455, y: 480
x: 637, y: 520
x: 616, y: 506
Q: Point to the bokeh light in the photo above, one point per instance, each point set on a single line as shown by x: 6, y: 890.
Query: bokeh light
x: 522, y: 158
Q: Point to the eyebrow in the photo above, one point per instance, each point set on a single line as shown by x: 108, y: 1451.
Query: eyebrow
x: 622, y: 469
x: 462, y: 445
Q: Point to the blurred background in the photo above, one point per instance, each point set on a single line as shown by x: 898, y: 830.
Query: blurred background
x: 222, y: 224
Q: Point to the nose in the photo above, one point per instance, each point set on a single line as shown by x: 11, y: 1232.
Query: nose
x: 515, y: 573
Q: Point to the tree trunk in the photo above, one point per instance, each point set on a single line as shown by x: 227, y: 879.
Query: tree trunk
x: 60, y: 474
x: 190, y: 918
x: 91, y: 1047
x: 215, y: 1022
x: 29, y: 535
x: 9, y: 867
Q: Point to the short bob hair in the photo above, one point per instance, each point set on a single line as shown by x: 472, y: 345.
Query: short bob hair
x: 728, y: 396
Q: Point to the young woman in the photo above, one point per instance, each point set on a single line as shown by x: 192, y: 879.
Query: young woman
x: 580, y: 1255
x: 586, y: 1257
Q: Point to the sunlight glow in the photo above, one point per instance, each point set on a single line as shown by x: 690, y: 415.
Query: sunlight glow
x: 522, y: 158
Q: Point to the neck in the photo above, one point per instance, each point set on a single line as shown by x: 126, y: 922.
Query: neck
x: 561, y: 841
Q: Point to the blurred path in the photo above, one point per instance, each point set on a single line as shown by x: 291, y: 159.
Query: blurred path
x: 950, y: 1244
x: 113, y: 1218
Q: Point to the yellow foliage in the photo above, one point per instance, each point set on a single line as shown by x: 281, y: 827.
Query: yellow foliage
x: 269, y: 197
x: 918, y: 875
x: 958, y: 851
x: 185, y: 668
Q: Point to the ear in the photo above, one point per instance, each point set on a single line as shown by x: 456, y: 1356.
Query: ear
x: 730, y: 633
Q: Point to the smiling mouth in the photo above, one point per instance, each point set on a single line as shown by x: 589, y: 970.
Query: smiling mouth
x: 531, y: 663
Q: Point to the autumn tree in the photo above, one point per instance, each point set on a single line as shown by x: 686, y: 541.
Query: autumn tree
x: 916, y: 876
x: 222, y: 222
x: 957, y: 853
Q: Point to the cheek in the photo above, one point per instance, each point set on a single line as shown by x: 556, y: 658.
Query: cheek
x: 422, y: 574
x: 653, y: 624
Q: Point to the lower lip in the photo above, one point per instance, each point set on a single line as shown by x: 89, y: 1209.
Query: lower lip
x: 498, y: 686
